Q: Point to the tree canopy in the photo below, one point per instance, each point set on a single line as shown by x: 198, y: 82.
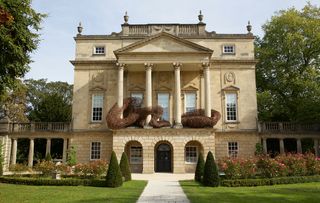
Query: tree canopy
x: 18, y: 38
x: 288, y: 71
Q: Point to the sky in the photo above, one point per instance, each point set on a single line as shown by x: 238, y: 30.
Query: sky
x: 57, y: 46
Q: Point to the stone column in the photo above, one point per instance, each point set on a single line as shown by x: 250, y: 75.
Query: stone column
x: 207, y: 85
x: 281, y: 146
x: 316, y: 147
x: 14, y: 151
x: 265, y: 149
x: 120, y: 83
x: 64, y: 153
x: 202, y: 90
x: 31, y: 152
x: 177, y: 99
x: 148, y: 67
x: 299, y: 148
x: 48, y: 146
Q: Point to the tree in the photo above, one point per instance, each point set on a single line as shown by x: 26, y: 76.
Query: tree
x: 72, y: 156
x: 114, y: 177
x: 288, y: 71
x: 49, y: 101
x: 199, y: 169
x: 124, y: 167
x: 18, y: 38
x: 210, y: 175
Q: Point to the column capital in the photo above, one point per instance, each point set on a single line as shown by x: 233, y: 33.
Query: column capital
x: 120, y: 66
x: 148, y: 66
x: 177, y: 65
x: 205, y: 65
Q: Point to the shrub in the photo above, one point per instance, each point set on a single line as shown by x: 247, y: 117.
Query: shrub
x: 72, y: 156
x: 48, y: 157
x: 19, y: 168
x: 124, y: 167
x: 237, y: 168
x: 92, y: 169
x: 114, y: 177
x: 46, y: 167
x: 259, y: 149
x: 1, y: 160
x: 210, y: 176
x: 199, y: 169
x: 270, y: 168
x: 295, y: 163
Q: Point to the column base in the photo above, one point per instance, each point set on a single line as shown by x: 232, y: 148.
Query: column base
x: 178, y: 126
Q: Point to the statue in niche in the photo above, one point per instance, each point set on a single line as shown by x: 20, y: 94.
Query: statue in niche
x: 134, y: 115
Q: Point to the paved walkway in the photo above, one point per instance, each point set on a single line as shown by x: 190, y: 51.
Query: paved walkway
x: 163, y: 187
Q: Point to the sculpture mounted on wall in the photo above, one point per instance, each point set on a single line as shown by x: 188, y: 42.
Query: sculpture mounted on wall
x: 197, y: 119
x: 134, y: 115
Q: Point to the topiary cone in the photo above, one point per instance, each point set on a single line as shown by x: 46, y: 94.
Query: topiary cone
x: 124, y: 167
x: 114, y: 176
x: 199, y: 169
x: 211, y: 175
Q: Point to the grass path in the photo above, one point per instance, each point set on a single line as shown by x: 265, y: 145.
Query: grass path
x: 302, y: 193
x: 129, y: 192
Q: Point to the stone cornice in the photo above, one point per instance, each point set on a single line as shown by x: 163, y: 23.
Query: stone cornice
x: 92, y: 62
x: 234, y: 61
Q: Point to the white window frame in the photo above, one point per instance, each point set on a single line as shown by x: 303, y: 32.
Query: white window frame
x: 135, y: 160
x: 92, y: 107
x: 95, y: 152
x: 236, y: 107
x: 227, y: 47
x: 186, y: 98
x: 100, y: 52
x: 166, y: 93
x: 188, y: 159
x: 233, y: 149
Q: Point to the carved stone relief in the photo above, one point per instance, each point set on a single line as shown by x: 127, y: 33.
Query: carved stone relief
x: 229, y: 77
x: 97, y: 80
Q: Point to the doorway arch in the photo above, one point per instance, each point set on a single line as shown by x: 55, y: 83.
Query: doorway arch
x: 163, y: 157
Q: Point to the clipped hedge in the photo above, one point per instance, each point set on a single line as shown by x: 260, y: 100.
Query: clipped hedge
x: 269, y: 181
x: 53, y: 182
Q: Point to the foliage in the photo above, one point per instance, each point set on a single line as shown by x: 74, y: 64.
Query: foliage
x: 114, y: 177
x: 210, y: 174
x: 288, y: 71
x: 13, y: 103
x: 270, y: 168
x: 72, y: 156
x: 49, y: 101
x: 124, y: 167
x: 19, y: 168
x: 259, y: 149
x: 18, y: 39
x: 235, y: 168
x: 93, y: 169
x: 48, y: 157
x: 1, y: 159
x: 46, y: 167
x: 269, y: 181
x: 199, y: 169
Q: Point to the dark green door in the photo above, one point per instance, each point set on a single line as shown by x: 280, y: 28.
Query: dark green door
x: 163, y: 158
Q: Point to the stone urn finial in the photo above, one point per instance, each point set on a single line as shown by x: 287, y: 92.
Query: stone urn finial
x: 80, y: 28
x: 200, y: 17
x: 126, y: 18
x: 249, y: 27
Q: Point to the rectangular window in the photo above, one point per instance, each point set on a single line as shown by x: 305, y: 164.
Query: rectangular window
x: 190, y: 102
x: 191, y: 154
x: 97, y: 106
x: 228, y: 49
x: 233, y: 149
x: 231, y: 106
x: 99, y: 50
x: 95, y: 150
x: 135, y: 155
x: 139, y: 96
x: 163, y: 101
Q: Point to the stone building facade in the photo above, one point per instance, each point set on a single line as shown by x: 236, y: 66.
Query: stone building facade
x: 181, y: 67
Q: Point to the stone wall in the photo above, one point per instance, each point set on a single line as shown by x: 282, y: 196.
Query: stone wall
x: 246, y: 143
x: 82, y: 142
x: 177, y: 138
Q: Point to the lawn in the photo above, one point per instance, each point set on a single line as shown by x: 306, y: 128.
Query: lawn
x: 304, y: 192
x: 129, y: 192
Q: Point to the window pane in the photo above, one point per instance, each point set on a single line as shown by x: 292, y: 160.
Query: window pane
x: 99, y: 50
x: 163, y: 101
x: 191, y: 154
x: 190, y: 102
x: 95, y: 150
x: 139, y: 96
x: 233, y: 149
x: 231, y: 106
x: 135, y: 155
x: 97, y: 106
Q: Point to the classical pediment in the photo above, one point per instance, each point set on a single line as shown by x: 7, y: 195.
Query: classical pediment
x: 189, y: 88
x: 231, y: 88
x: 163, y: 43
x: 136, y: 88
